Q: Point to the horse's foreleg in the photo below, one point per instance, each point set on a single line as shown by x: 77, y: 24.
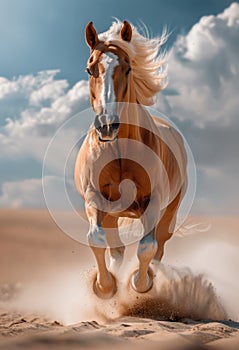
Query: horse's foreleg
x: 105, y: 283
x: 117, y: 248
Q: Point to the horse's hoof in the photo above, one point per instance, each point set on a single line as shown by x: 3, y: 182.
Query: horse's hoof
x: 104, y: 293
x: 136, y: 285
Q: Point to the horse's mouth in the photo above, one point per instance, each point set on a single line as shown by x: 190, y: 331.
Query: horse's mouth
x: 108, y: 140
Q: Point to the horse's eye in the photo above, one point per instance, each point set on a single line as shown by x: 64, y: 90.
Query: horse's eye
x: 128, y: 70
x: 88, y: 71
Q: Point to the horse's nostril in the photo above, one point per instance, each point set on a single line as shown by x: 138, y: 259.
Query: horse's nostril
x: 116, y: 123
x: 97, y: 122
x: 115, y: 126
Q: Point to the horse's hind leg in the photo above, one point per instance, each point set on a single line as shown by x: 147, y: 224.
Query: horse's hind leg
x: 117, y: 248
x: 166, y: 225
x: 142, y: 280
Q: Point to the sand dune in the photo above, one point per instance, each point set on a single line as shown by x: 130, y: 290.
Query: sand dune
x: 46, y: 299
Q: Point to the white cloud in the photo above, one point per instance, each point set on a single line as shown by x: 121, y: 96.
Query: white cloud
x: 32, y: 108
x: 203, y: 71
x: 50, y: 91
x: 48, y: 100
x: 23, y: 88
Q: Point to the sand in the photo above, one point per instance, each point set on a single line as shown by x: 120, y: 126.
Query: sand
x: 46, y: 298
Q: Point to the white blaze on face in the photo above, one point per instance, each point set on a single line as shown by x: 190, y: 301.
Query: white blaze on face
x: 109, y: 61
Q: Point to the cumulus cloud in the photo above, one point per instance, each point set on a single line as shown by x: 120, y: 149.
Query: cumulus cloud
x: 203, y: 71
x: 22, y: 92
x: 49, y: 101
x: 32, y: 108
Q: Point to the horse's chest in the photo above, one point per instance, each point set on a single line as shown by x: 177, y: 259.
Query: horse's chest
x: 126, y: 182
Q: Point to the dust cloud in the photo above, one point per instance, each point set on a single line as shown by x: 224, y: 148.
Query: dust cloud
x: 207, y: 290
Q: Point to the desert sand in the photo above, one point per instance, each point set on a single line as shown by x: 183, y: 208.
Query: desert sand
x: 46, y: 298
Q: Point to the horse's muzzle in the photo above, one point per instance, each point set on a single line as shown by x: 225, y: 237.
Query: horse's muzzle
x: 107, y: 127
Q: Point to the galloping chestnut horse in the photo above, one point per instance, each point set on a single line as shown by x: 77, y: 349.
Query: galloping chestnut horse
x: 126, y: 145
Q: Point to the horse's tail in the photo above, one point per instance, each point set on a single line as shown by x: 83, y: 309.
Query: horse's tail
x: 193, y: 225
x: 133, y: 229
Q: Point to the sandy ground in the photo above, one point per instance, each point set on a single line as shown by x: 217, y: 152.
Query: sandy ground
x: 46, y: 298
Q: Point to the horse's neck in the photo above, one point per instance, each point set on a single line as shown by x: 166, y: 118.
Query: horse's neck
x: 133, y: 116
x: 129, y: 121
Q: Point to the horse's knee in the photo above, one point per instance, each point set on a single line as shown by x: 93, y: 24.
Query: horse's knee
x: 96, y: 237
x: 162, y: 237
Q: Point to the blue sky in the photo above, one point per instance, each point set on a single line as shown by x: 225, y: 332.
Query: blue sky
x: 49, y: 34
x: 43, y: 83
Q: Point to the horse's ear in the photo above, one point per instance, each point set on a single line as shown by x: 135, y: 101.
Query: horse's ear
x: 91, y: 35
x: 126, y: 31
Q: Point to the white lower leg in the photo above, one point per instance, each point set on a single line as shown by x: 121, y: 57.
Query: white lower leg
x: 105, y: 283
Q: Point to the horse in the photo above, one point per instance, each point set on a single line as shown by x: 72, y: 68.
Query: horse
x: 125, y: 73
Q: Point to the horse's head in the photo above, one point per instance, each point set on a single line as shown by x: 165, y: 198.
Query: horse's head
x: 108, y: 68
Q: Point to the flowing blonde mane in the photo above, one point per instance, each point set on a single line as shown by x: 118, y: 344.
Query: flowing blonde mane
x: 148, y: 65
